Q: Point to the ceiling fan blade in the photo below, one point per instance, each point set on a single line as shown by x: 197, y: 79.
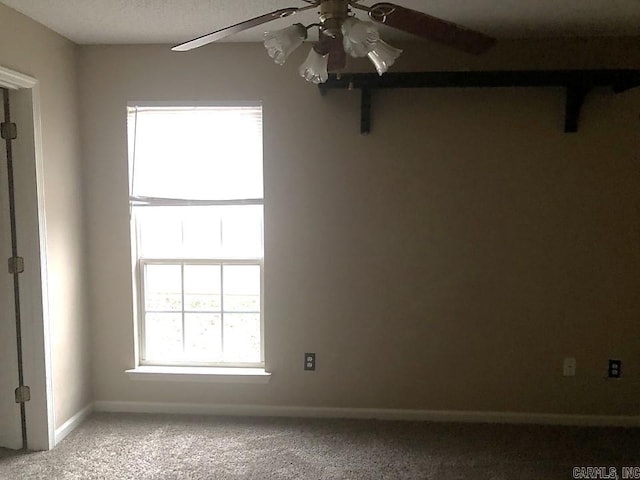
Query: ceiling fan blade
x: 431, y: 28
x: 337, y: 55
x: 238, y: 27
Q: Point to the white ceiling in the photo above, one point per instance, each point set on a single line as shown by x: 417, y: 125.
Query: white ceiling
x: 175, y: 21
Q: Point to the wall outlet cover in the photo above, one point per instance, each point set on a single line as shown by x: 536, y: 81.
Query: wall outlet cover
x: 309, y: 361
x: 569, y: 367
x: 615, y: 368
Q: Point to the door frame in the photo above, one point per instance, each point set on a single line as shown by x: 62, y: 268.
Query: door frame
x: 36, y: 336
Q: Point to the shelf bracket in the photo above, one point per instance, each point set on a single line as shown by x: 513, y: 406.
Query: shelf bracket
x: 574, y: 101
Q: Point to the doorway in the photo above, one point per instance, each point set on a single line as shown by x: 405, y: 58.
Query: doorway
x: 10, y: 420
x: 28, y: 177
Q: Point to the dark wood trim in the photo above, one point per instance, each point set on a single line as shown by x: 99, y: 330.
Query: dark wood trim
x: 578, y: 83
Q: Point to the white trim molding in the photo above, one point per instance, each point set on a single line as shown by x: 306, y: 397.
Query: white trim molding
x: 199, y: 374
x: 70, y: 425
x: 37, y: 349
x: 14, y: 80
x: 369, y: 413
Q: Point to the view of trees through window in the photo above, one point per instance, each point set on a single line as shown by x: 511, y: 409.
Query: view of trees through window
x: 202, y: 312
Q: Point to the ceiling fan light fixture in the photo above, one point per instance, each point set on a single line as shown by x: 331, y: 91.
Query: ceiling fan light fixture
x: 281, y: 43
x: 315, y: 67
x: 383, y: 56
x: 359, y: 37
x: 342, y: 34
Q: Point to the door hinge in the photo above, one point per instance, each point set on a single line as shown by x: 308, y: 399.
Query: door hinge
x: 16, y: 265
x: 8, y: 131
x: 23, y: 394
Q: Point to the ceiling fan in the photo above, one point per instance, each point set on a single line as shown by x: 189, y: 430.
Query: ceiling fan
x: 342, y: 34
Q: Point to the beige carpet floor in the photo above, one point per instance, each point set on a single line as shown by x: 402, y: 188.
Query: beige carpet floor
x: 133, y: 446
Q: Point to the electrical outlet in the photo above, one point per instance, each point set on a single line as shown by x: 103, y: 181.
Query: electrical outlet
x: 309, y: 361
x: 615, y: 368
x: 569, y: 367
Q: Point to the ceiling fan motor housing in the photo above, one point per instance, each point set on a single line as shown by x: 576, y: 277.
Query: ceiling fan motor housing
x: 332, y: 14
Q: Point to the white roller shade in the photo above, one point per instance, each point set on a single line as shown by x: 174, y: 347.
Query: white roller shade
x: 195, y: 153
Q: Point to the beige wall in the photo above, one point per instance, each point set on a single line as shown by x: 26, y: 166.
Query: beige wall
x: 32, y: 49
x: 450, y: 260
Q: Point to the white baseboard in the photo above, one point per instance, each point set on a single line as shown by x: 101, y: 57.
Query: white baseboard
x: 370, y: 413
x: 70, y: 425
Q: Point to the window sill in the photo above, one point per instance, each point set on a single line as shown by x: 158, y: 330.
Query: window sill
x: 199, y: 374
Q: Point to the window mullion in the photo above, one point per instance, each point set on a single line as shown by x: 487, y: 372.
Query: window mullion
x: 182, y: 308
x: 142, y: 308
x: 222, y: 310
x: 221, y: 235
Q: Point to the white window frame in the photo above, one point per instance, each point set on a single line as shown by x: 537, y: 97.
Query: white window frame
x: 139, y: 262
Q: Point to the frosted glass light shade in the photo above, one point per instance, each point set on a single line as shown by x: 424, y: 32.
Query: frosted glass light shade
x: 359, y: 38
x: 315, y: 67
x: 281, y: 43
x: 383, y: 56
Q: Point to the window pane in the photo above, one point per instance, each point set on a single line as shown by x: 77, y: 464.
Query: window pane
x: 163, y: 335
x: 203, y: 337
x: 200, y: 232
x: 242, y: 231
x: 241, y: 288
x: 160, y: 231
x: 202, y: 287
x: 241, y: 337
x: 163, y: 287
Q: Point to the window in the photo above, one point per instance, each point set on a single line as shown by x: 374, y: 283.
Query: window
x: 196, y: 198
